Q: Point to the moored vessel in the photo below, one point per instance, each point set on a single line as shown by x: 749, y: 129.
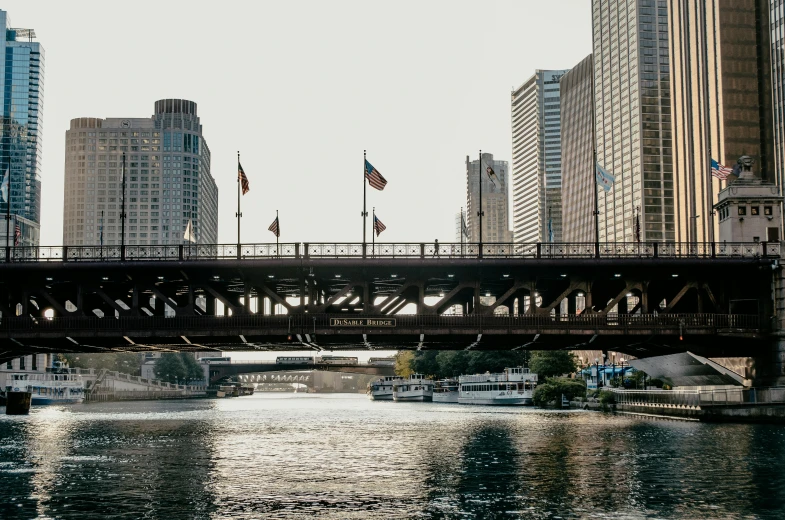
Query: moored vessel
x: 58, y: 385
x: 446, y: 391
x: 514, y: 386
x: 382, y: 388
x: 415, y: 388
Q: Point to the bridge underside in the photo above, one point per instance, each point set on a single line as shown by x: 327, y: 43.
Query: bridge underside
x: 637, y: 305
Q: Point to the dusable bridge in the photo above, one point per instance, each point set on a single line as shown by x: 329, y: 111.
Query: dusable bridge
x: 710, y: 298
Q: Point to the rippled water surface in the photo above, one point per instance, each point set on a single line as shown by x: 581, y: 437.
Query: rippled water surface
x: 341, y: 456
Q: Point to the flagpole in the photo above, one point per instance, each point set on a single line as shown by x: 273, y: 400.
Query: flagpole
x: 279, y: 231
x: 373, y: 232
x: 365, y: 212
x: 239, y: 214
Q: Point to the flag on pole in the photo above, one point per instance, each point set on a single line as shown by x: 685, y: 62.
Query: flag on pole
x: 189, y: 232
x: 604, y: 178
x: 4, y: 187
x: 275, y: 228
x: 17, y: 234
x: 719, y: 171
x: 491, y: 174
x: 464, y: 227
x: 243, y: 179
x: 550, y: 230
x: 378, y: 226
x: 375, y: 178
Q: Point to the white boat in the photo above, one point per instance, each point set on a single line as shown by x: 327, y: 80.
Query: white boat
x: 57, y: 387
x: 415, y: 388
x: 446, y: 391
x: 514, y: 386
x: 382, y: 388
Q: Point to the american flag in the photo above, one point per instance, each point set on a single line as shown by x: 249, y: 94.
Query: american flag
x: 720, y: 171
x: 378, y: 226
x: 275, y: 228
x: 243, y: 179
x: 17, y: 234
x: 375, y: 178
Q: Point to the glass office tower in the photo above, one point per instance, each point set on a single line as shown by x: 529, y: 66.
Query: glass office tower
x: 22, y: 83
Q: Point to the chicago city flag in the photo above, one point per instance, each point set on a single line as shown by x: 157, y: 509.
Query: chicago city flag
x: 604, y: 178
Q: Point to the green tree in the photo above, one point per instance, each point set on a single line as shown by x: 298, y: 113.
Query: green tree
x: 494, y: 361
x: 125, y: 362
x: 180, y: 368
x: 549, y: 363
x: 426, y: 363
x: 403, y: 363
x: 554, y: 388
x: 452, y: 363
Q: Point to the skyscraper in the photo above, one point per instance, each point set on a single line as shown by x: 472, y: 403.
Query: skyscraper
x: 721, y: 103
x: 168, y: 180
x: 22, y: 84
x: 633, y: 118
x: 536, y: 159
x: 776, y: 17
x: 495, y: 227
x: 577, y: 151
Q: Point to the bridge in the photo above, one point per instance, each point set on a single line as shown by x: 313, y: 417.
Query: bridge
x: 642, y: 298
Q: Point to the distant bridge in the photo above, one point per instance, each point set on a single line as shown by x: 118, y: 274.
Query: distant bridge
x: 266, y: 369
x: 713, y: 299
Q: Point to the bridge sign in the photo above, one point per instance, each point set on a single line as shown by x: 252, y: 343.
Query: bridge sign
x: 362, y: 322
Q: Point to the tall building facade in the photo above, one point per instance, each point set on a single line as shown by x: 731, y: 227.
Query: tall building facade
x: 536, y: 159
x: 495, y: 225
x: 776, y: 20
x: 721, y: 104
x: 168, y: 180
x: 577, y: 152
x: 633, y: 119
x: 22, y: 84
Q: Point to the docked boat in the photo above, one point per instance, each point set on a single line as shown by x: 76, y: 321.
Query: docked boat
x: 514, y: 386
x: 58, y: 386
x: 446, y: 391
x: 416, y: 388
x: 382, y: 388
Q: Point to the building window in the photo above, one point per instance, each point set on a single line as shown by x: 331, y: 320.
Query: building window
x: 754, y: 210
x: 742, y: 210
x: 767, y: 210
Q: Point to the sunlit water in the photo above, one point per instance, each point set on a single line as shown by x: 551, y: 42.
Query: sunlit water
x: 342, y: 456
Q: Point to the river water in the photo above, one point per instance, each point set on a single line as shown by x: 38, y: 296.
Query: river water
x: 339, y: 456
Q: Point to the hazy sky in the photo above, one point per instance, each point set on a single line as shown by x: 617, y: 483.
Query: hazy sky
x: 301, y: 88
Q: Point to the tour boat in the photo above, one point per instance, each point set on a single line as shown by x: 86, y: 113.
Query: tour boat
x: 446, y: 391
x: 415, y: 388
x: 514, y: 386
x: 382, y: 388
x: 57, y: 387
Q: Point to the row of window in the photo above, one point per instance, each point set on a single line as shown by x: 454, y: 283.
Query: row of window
x: 742, y: 211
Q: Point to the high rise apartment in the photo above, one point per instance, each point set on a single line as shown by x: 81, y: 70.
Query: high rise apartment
x: 633, y: 118
x: 22, y: 86
x: 168, y: 181
x: 495, y: 227
x: 577, y: 151
x: 721, y: 82
x: 536, y: 159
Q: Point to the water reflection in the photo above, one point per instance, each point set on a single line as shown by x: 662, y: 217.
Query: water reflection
x: 296, y: 456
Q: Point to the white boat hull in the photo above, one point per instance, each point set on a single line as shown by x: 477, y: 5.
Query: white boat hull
x: 445, y: 397
x: 413, y: 398
x: 38, y: 401
x: 380, y: 397
x: 497, y: 401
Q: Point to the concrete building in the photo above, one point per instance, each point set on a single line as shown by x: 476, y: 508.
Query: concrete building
x: 720, y: 60
x: 459, y: 226
x: 536, y: 158
x: 495, y: 226
x: 633, y: 118
x: 22, y: 87
x: 577, y: 153
x: 168, y: 180
x: 776, y: 19
x: 749, y: 210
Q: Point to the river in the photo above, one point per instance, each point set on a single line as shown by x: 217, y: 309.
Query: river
x: 340, y: 456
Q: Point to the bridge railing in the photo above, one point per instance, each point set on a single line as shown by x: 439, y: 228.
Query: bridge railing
x: 701, y: 398
x: 423, y: 250
x: 306, y: 323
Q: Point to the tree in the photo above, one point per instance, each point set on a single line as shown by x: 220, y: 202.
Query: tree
x: 494, y: 361
x: 179, y: 368
x: 553, y: 389
x: 125, y: 362
x: 403, y: 363
x: 425, y: 363
x: 452, y: 363
x: 549, y: 363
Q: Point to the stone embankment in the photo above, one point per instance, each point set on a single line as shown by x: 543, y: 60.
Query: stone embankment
x: 104, y: 385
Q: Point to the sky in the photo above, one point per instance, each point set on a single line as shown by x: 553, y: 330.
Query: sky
x: 301, y: 88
